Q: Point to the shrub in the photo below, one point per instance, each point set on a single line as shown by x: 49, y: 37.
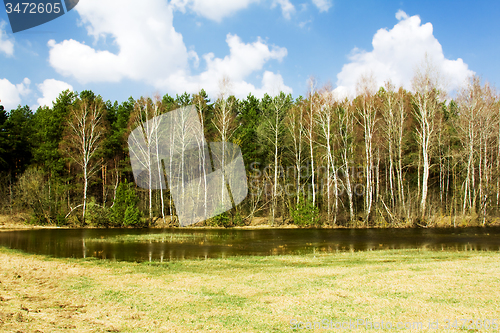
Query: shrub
x: 221, y: 220
x: 124, y: 210
x: 305, y: 213
x: 32, y: 193
x: 95, y: 214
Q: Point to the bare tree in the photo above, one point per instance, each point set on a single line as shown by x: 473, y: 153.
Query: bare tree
x: 367, y: 112
x: 224, y: 123
x: 200, y: 101
x: 471, y: 105
x: 426, y: 98
x: 399, y: 126
x: 85, y: 134
x: 390, y: 131
x: 325, y: 119
x: 394, y: 116
x: 295, y: 125
x: 346, y: 118
x: 146, y: 142
x: 313, y: 98
x: 477, y: 124
x: 273, y: 130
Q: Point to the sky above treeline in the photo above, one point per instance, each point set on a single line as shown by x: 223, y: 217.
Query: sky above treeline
x: 123, y: 48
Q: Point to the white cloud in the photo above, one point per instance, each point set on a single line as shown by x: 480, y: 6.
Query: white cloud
x: 287, y: 8
x: 323, y: 5
x: 272, y: 84
x: 400, y: 15
x: 146, y: 38
x: 50, y: 90
x: 243, y: 60
x: 6, y: 45
x: 10, y: 94
x: 397, y: 53
x: 151, y: 51
x: 214, y: 10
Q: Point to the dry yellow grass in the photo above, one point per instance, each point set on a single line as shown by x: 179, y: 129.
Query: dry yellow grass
x: 249, y: 294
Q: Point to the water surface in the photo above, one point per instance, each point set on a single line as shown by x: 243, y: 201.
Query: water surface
x: 170, y: 244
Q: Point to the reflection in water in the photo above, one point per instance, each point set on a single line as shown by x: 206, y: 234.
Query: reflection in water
x: 171, y: 244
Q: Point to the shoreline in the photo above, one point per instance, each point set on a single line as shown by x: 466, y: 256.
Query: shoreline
x: 18, y: 222
x: 18, y: 226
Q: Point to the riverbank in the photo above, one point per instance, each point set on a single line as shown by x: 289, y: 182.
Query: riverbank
x: 247, y: 294
x: 20, y: 221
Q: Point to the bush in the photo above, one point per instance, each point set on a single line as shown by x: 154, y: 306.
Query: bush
x: 238, y: 220
x: 221, y: 220
x: 32, y: 193
x: 305, y: 214
x: 96, y: 215
x: 124, y: 211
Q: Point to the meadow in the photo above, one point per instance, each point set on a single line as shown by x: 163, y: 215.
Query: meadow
x: 252, y: 294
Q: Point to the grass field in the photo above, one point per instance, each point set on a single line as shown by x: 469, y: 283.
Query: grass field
x: 248, y: 294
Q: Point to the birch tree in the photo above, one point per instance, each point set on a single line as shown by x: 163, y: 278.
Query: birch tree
x: 200, y: 101
x: 273, y: 131
x: 390, y: 132
x: 146, y: 142
x: 477, y: 125
x: 295, y: 125
x: 85, y: 134
x: 313, y: 102
x: 157, y: 110
x: 399, y: 127
x: 367, y: 117
x: 346, y: 134
x: 224, y: 123
x: 426, y: 98
x: 325, y: 120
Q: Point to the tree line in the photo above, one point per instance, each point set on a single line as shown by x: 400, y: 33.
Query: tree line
x: 388, y: 157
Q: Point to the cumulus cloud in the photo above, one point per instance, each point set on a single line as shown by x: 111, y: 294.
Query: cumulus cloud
x: 6, y: 45
x: 11, y: 94
x: 323, y: 5
x: 146, y: 38
x: 151, y: 51
x: 214, y: 10
x: 50, y: 90
x: 243, y: 60
x: 397, y: 53
x: 272, y: 84
x: 287, y: 8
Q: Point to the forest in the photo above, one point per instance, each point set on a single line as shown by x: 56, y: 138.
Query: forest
x: 389, y: 157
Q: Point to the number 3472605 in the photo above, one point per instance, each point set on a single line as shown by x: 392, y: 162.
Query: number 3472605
x: 33, y: 8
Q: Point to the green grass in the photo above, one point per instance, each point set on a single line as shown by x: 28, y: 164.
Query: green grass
x: 246, y: 294
x: 159, y: 237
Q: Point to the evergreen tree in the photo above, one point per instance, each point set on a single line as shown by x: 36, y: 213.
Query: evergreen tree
x: 124, y: 210
x: 16, y: 139
x: 3, y: 139
x: 49, y: 124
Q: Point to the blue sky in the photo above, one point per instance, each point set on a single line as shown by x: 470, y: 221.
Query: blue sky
x: 122, y: 48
